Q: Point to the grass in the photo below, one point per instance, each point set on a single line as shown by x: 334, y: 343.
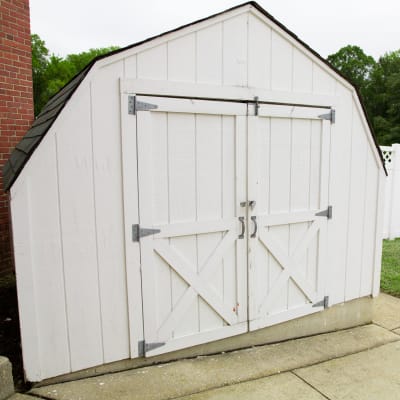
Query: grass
x: 390, y: 279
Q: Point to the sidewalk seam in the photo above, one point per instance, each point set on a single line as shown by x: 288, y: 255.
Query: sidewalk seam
x: 384, y: 327
x: 36, y: 396
x: 311, y: 386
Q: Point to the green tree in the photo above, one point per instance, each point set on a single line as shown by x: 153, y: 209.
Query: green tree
x: 354, y: 64
x: 51, y: 72
x: 383, y: 98
x: 40, y: 59
x: 379, y: 86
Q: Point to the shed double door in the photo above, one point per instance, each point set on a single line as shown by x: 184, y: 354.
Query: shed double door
x: 232, y: 200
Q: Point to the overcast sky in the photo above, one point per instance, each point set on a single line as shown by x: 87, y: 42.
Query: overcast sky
x: 76, y: 25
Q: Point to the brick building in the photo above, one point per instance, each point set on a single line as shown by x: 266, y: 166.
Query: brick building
x: 16, y: 99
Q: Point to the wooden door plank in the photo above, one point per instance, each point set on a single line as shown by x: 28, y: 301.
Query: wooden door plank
x: 147, y: 268
x: 293, y: 112
x: 182, y: 194
x: 280, y: 317
x: 190, y: 295
x: 287, y: 218
x: 193, y: 106
x: 184, y: 269
x: 193, y: 228
x: 241, y: 196
x: 201, y: 226
x: 289, y: 269
x: 289, y: 229
x: 199, y: 338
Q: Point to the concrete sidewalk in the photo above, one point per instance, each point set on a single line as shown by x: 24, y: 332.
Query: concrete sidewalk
x: 360, y: 363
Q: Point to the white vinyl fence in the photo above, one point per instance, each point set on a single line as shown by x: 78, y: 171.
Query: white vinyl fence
x: 391, y: 227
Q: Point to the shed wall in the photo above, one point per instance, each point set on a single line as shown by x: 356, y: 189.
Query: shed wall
x: 264, y: 58
x: 70, y: 194
x: 71, y: 190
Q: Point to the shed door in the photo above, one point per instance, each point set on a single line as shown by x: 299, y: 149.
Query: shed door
x: 288, y: 180
x: 191, y: 175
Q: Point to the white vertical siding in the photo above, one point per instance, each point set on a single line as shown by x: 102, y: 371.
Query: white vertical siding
x: 130, y: 67
x: 378, y: 237
x: 48, y: 262
x: 152, y: 63
x: 209, y: 43
x: 78, y: 224
x: 355, y: 208
x: 25, y: 273
x: 234, y: 62
x: 108, y: 206
x: 370, y: 223
x: 38, y: 255
x: 302, y: 72
x: 323, y: 83
x: 354, y: 179
x: 282, y: 63
x: 339, y: 186
x: 182, y: 59
x: 259, y: 45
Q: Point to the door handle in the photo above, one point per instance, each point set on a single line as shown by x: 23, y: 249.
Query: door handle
x: 254, y: 219
x: 241, y: 219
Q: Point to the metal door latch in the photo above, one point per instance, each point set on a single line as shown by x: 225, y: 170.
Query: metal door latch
x: 251, y: 204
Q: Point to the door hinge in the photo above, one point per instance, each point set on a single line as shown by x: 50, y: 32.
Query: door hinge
x: 256, y: 105
x: 138, y: 232
x: 143, y: 347
x: 323, y: 303
x: 134, y: 105
x: 331, y: 116
x: 326, y: 213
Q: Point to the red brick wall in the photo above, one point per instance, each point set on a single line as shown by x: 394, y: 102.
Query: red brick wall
x: 16, y: 99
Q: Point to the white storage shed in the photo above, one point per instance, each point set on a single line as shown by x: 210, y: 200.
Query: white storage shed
x: 205, y: 183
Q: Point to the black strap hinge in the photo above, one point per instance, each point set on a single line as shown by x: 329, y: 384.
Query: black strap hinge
x: 138, y: 232
x: 326, y: 213
x: 331, y: 116
x: 135, y: 105
x: 323, y: 303
x: 144, y: 346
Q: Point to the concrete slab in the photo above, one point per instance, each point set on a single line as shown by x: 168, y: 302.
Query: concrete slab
x: 6, y: 378
x: 19, y: 396
x: 278, y: 387
x: 368, y: 375
x: 386, y: 311
x: 186, y: 377
x: 338, y: 317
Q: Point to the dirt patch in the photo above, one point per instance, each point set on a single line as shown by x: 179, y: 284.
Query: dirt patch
x: 10, y: 339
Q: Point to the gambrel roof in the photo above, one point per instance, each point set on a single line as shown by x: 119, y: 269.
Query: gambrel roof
x: 25, y: 148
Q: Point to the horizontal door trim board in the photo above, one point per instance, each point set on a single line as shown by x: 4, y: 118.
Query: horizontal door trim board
x: 223, y: 93
x: 199, y: 338
x: 287, y: 316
